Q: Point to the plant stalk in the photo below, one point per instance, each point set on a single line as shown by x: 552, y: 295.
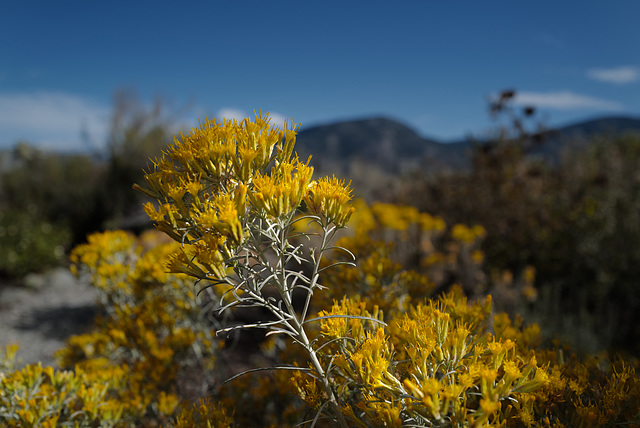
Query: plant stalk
x: 298, y: 326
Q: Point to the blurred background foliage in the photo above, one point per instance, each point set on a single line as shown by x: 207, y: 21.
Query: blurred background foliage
x: 50, y: 202
x: 569, y: 226
x: 576, y: 222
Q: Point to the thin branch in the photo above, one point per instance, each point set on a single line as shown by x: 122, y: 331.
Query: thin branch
x: 336, y: 264
x: 262, y: 369
x: 346, y: 316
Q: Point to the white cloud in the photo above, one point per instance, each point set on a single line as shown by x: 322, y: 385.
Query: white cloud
x: 231, y: 113
x: 619, y: 75
x: 564, y: 100
x: 52, y: 120
x: 277, y: 119
x: 56, y: 120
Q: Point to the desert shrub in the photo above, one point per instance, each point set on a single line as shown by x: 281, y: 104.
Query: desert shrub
x: 149, y: 355
x: 236, y: 221
x: 403, y: 252
x: 372, y: 357
x: 68, y: 196
x: 152, y: 322
x: 59, y: 189
x: 43, y: 397
x: 591, y: 259
x: 93, y: 394
x: 203, y: 414
x: 29, y: 244
x: 573, y: 221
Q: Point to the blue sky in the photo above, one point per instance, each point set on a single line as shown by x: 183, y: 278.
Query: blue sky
x: 429, y: 64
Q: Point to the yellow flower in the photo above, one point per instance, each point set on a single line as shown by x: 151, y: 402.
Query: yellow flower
x: 488, y: 375
x: 395, y: 216
x: 489, y: 407
x: 329, y: 198
x: 466, y: 234
x: 280, y: 193
x: 167, y: 403
x: 308, y: 389
x: 540, y: 378
x: 220, y: 215
x: 155, y: 215
x: 511, y: 370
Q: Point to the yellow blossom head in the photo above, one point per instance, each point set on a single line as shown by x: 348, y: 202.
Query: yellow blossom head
x: 330, y: 198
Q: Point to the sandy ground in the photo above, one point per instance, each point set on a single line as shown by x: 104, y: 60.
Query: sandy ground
x: 43, y: 314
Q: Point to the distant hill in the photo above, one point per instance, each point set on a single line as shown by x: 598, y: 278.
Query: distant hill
x: 579, y: 135
x: 601, y: 126
x: 386, y: 145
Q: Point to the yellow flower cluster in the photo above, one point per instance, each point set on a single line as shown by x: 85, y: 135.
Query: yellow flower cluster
x: 399, y: 217
x: 594, y: 392
x: 216, y: 181
x: 435, y: 364
x: 152, y: 325
x: 204, y: 414
x: 37, y: 396
x: 402, y: 255
x: 330, y: 197
x: 466, y: 234
x: 280, y: 193
x: 442, y: 362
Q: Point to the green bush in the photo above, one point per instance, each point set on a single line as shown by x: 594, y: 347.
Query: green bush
x: 62, y: 198
x: 29, y: 244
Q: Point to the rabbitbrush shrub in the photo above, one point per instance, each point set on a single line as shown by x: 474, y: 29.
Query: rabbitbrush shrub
x: 352, y: 343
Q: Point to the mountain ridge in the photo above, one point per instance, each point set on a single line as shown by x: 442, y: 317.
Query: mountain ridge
x: 395, y: 147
